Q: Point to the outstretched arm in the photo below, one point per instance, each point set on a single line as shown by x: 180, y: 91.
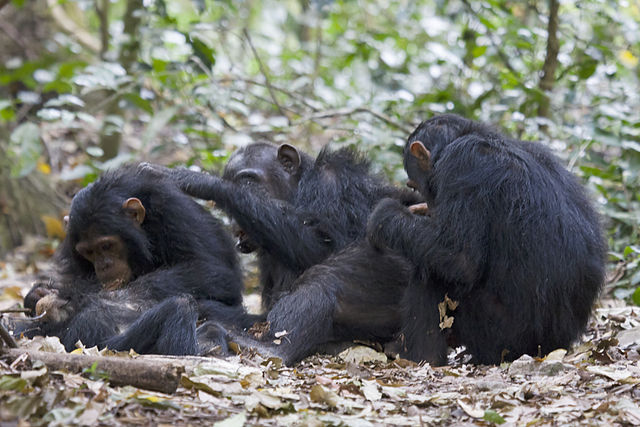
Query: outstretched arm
x: 299, y: 239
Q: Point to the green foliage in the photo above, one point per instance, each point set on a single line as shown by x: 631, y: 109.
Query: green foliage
x: 493, y: 417
x: 213, y: 75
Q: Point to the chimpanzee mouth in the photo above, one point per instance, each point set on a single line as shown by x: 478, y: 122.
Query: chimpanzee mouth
x: 412, y: 185
x: 244, y: 244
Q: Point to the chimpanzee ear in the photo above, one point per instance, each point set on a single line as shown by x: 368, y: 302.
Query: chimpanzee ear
x: 420, y: 152
x: 289, y: 158
x: 66, y: 221
x: 133, y: 207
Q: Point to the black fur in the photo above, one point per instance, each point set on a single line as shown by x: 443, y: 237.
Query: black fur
x: 183, y: 262
x: 321, y: 281
x: 510, y: 235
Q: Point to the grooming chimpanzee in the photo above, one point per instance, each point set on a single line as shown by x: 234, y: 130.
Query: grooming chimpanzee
x: 509, y: 234
x: 307, y: 220
x: 141, y: 259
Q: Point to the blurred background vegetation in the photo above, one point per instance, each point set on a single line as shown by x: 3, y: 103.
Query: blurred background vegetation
x: 89, y: 84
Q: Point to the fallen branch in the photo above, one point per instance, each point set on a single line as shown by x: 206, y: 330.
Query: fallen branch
x: 150, y: 375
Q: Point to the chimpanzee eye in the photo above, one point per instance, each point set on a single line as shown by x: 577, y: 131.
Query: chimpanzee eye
x: 106, y: 246
x: 247, y: 178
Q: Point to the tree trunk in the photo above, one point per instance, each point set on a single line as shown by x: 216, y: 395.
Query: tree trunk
x: 110, y: 138
x: 551, y: 59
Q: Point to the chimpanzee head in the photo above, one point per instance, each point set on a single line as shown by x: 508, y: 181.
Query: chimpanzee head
x: 105, y: 235
x: 424, y: 147
x: 267, y: 168
x: 264, y: 167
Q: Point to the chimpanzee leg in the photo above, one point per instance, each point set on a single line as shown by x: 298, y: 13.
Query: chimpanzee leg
x: 95, y: 323
x: 298, y: 324
x: 421, y: 337
x: 226, y: 314
x: 212, y: 339
x: 168, y: 328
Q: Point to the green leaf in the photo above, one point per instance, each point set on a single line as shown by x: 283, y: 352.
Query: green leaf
x: 8, y: 382
x: 587, y: 68
x: 24, y: 149
x: 493, y: 417
x: 636, y: 296
x: 631, y: 249
x: 202, y: 51
x: 478, y: 51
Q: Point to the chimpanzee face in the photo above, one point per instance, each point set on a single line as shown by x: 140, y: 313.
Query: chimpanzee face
x: 266, y: 168
x: 105, y: 250
x: 244, y: 244
x: 108, y: 254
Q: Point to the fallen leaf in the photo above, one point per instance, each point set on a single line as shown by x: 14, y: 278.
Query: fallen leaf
x: 237, y: 420
x: 53, y: 227
x: 320, y: 394
x: 370, y: 390
x: 470, y: 409
x: 361, y: 354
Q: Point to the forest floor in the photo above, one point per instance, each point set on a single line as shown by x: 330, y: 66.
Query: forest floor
x: 594, y: 383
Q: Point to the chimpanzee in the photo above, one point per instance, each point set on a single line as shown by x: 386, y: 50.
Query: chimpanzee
x: 509, y: 235
x: 140, y: 263
x: 306, y: 218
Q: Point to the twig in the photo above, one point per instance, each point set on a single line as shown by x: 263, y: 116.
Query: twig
x: 16, y: 310
x: 351, y: 111
x: 503, y: 56
x: 264, y: 73
x: 294, y: 95
x: 6, y: 337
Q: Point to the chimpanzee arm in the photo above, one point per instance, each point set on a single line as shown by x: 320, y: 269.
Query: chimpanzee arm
x: 299, y: 239
x: 194, y: 278
x: 392, y: 225
x: 435, y: 243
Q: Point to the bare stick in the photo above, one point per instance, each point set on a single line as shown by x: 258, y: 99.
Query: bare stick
x: 150, y: 375
x: 16, y: 310
x: 6, y: 337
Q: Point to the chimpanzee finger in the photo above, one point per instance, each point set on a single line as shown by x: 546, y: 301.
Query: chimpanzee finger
x: 419, y: 209
x: 154, y: 169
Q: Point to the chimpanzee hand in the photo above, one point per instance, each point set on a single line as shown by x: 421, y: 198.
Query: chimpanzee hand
x: 38, y: 291
x: 383, y: 220
x: 155, y: 170
x: 419, y: 209
x: 212, y: 339
x: 51, y: 308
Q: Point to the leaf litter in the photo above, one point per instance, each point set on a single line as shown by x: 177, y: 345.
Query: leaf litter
x: 594, y: 382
